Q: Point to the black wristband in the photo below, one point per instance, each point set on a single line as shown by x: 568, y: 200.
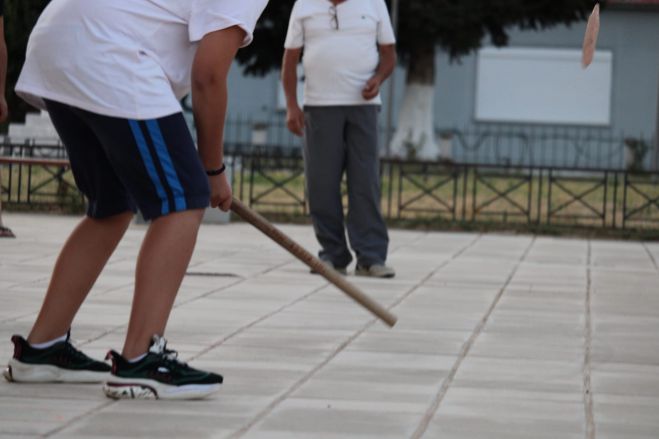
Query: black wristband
x: 214, y: 172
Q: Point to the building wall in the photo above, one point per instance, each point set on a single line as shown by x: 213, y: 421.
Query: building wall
x: 632, y: 37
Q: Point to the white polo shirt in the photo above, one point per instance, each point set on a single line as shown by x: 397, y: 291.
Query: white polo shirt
x: 124, y: 58
x: 339, y: 61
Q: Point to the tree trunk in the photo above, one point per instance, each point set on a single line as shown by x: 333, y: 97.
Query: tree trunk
x: 415, y: 133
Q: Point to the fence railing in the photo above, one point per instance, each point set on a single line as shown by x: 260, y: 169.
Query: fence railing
x: 494, y: 144
x: 502, y: 144
x: 271, y: 180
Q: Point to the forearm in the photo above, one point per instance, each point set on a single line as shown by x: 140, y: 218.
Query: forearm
x: 289, y: 83
x: 210, y: 106
x: 3, y: 58
x: 289, y: 78
x: 387, y: 62
x: 210, y: 71
x: 3, y: 67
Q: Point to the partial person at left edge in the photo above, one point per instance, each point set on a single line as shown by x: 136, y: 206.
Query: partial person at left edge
x: 5, y: 232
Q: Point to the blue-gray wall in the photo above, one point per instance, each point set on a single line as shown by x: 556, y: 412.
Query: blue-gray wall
x: 632, y: 37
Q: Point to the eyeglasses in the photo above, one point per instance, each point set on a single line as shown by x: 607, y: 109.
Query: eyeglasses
x: 334, y: 19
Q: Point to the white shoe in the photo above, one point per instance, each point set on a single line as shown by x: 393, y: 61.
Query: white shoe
x: 376, y: 270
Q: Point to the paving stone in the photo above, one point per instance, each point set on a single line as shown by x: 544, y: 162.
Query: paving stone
x: 491, y: 339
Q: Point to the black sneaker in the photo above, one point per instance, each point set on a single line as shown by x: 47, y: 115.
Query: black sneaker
x: 60, y: 363
x: 159, y: 375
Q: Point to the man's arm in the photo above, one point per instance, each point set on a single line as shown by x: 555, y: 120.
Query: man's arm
x: 384, y: 70
x: 294, y: 114
x: 210, y: 70
x: 4, y: 111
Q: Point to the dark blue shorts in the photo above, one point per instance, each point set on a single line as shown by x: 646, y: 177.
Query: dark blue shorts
x: 122, y: 164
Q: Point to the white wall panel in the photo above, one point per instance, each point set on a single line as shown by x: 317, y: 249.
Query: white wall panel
x: 543, y: 86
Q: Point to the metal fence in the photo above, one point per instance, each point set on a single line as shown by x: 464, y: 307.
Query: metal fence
x: 271, y: 179
x: 494, y: 144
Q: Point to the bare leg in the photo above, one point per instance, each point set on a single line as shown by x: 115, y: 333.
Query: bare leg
x: 161, y: 265
x: 78, y: 266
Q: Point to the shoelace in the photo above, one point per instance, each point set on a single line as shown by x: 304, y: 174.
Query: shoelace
x: 159, y: 347
x: 171, y: 355
x: 74, y: 352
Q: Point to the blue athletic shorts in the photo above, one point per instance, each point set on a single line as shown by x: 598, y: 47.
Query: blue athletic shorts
x: 123, y: 164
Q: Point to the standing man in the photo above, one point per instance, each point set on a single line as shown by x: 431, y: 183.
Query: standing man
x: 111, y: 74
x: 349, y: 51
x: 5, y: 232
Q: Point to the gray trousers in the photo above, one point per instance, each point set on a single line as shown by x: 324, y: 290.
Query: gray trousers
x: 338, y: 139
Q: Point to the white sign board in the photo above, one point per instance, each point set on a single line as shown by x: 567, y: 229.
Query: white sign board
x: 543, y: 86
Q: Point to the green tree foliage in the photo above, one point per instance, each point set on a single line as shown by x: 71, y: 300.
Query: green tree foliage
x: 266, y: 51
x: 457, y: 26
x: 460, y: 26
x: 20, y: 17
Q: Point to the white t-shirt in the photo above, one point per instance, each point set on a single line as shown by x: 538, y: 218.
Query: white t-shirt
x: 124, y: 58
x: 338, y: 62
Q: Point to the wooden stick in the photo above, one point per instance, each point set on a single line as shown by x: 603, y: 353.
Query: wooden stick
x: 303, y: 255
x: 280, y: 238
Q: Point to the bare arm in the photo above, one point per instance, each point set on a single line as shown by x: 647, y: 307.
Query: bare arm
x: 210, y: 70
x: 294, y: 114
x: 384, y: 70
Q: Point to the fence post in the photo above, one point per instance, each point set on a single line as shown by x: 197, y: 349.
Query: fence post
x: 529, y: 214
x: 549, y: 183
x: 624, y: 200
x: 456, y: 175
x: 400, y: 190
x: 390, y: 189
x: 539, y: 196
x: 615, y: 197
x: 465, y: 185
x: 473, y: 195
x: 604, y: 205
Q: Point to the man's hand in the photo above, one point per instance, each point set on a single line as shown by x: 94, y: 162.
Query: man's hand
x: 295, y: 120
x: 386, y: 66
x: 372, y: 88
x: 4, y: 109
x: 221, y: 193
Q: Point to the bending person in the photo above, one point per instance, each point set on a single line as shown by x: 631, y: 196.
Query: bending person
x: 111, y: 74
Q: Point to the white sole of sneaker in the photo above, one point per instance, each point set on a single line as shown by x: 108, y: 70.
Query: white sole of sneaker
x: 122, y: 388
x: 38, y: 373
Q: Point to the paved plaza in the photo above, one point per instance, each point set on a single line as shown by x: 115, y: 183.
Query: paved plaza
x: 499, y: 337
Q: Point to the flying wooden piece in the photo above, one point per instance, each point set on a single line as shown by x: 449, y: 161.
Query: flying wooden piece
x: 590, y: 39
